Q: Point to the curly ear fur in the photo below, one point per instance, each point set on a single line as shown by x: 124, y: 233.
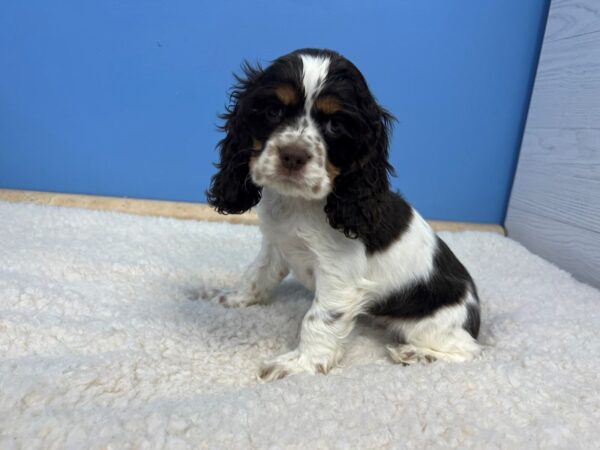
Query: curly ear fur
x: 231, y: 189
x: 358, y: 200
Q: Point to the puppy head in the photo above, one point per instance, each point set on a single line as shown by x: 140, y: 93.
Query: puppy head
x: 306, y: 126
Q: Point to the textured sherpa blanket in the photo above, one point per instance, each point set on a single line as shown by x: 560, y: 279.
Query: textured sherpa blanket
x: 106, y: 342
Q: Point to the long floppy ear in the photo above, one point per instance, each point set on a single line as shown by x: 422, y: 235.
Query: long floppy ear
x: 357, y: 202
x: 231, y: 189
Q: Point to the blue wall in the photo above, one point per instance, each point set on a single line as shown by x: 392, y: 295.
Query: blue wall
x: 120, y: 97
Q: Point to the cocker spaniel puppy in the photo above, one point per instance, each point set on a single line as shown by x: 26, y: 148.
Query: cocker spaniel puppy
x: 307, y: 143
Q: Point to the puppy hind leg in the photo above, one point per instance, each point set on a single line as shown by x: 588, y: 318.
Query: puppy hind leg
x: 458, y: 346
x: 438, y: 337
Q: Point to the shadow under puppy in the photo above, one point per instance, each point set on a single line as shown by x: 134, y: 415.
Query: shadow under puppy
x: 308, y: 144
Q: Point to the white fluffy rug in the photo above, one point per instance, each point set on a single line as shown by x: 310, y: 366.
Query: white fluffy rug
x: 105, y: 342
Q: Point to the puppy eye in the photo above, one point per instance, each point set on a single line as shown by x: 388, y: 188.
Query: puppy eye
x: 274, y: 113
x: 333, y: 127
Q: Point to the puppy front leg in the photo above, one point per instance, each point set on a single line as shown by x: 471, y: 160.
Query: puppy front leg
x: 258, y: 280
x: 329, y: 320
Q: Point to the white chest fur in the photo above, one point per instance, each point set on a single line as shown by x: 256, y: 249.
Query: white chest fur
x: 309, y: 245
x: 289, y: 223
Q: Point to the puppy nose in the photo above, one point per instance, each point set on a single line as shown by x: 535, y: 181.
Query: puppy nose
x: 293, y: 157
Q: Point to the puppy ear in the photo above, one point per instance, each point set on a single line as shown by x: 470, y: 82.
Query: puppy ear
x: 231, y: 189
x: 358, y: 200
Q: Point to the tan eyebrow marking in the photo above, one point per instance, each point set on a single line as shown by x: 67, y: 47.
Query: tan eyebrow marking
x: 328, y: 104
x: 286, y: 94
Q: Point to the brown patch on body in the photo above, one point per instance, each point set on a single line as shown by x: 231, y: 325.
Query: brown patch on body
x: 328, y: 104
x: 332, y: 171
x: 266, y: 372
x: 287, y: 94
x: 321, y: 369
x: 316, y: 188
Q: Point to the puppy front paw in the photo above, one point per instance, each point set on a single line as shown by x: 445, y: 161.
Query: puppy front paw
x: 233, y: 298
x: 289, y: 364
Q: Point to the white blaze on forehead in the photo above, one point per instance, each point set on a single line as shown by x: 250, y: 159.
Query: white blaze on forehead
x: 314, y: 72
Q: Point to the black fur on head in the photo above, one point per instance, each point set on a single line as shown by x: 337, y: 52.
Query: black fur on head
x: 352, y: 128
x: 361, y: 192
x: 231, y: 189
